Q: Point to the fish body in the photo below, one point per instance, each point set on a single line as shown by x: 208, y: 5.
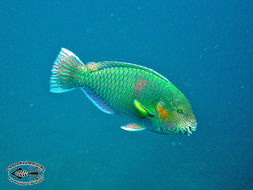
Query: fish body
x: 138, y: 93
x: 20, y: 173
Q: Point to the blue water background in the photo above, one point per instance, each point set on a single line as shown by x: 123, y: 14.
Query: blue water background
x: 204, y: 47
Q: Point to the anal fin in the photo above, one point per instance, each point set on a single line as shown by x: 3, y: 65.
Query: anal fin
x: 98, y: 103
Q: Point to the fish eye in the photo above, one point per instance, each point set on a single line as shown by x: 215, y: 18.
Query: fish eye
x: 180, y: 111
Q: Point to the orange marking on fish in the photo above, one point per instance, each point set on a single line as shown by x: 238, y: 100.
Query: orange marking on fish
x: 140, y: 85
x: 164, y: 114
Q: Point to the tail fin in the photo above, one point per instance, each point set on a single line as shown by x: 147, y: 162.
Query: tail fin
x: 66, y: 72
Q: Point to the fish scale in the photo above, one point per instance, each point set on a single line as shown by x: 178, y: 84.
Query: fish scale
x: 123, y: 80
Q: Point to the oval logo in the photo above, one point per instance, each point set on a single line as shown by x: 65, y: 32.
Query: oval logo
x: 26, y: 173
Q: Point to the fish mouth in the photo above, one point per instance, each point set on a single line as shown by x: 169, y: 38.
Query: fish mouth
x: 188, y: 129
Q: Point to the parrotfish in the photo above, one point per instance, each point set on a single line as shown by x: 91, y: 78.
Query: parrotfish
x: 147, y: 99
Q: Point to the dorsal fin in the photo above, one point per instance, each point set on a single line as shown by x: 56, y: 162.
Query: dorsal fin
x: 96, y: 66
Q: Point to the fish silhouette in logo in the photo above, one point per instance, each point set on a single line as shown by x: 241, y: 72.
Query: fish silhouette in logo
x: 26, y: 173
x: 20, y: 173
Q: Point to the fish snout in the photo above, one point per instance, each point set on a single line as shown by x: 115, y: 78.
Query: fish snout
x: 191, y: 127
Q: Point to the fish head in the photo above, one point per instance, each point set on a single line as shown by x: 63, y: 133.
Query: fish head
x: 174, y: 116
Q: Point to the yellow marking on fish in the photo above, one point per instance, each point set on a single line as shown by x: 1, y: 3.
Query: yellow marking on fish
x: 141, y: 109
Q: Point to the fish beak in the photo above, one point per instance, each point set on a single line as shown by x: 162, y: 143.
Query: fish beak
x: 191, y: 127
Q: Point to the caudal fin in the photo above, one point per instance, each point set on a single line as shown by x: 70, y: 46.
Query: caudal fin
x: 66, y: 72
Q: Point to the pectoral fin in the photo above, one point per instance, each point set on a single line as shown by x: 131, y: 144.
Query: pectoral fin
x: 143, y: 111
x: 132, y: 127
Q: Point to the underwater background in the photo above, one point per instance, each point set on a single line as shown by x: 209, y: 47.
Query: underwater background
x: 205, y: 48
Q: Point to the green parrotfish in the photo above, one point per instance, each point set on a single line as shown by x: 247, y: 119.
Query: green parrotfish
x: 146, y: 98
